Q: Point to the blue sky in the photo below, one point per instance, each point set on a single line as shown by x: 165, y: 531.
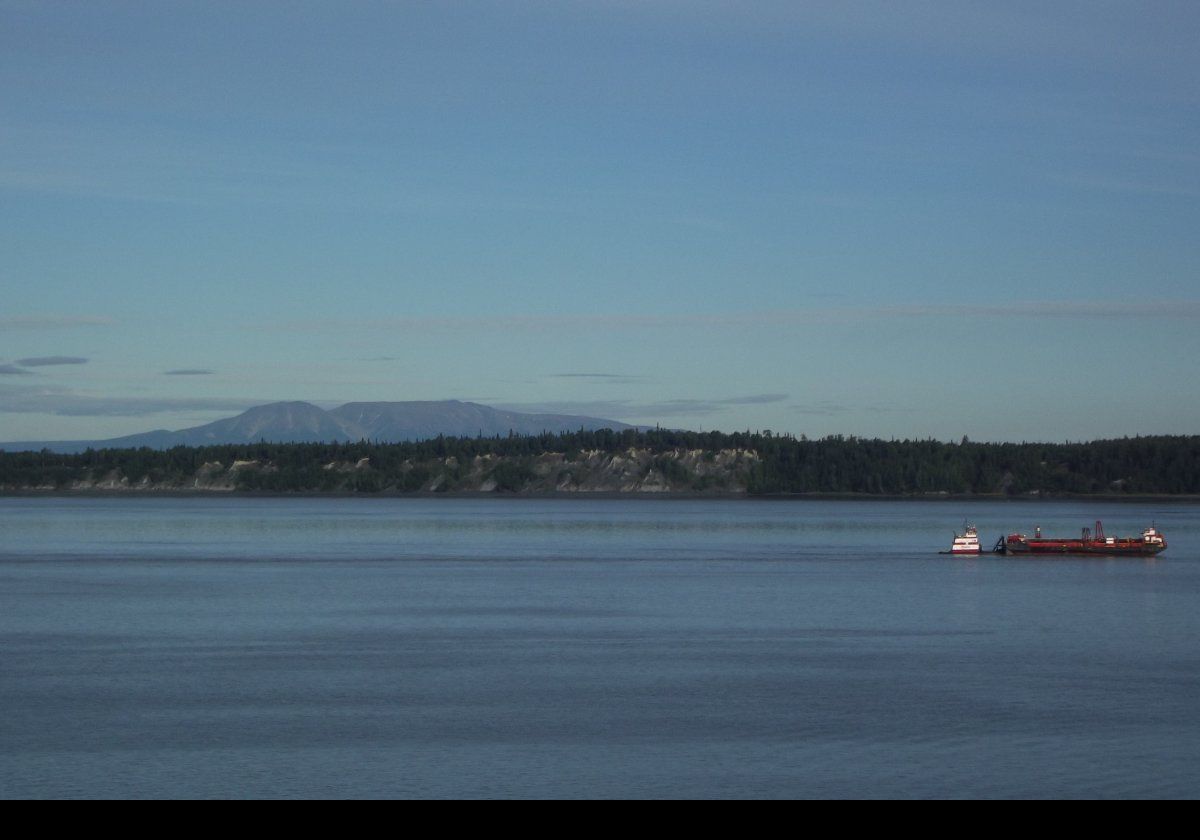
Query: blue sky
x: 917, y: 219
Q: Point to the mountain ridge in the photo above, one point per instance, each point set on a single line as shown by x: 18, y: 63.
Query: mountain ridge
x: 302, y: 422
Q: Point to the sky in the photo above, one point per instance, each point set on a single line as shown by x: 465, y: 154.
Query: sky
x: 885, y: 219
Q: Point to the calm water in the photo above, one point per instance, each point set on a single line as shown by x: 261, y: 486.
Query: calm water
x: 499, y: 648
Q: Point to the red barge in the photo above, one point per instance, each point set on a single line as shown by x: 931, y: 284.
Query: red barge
x: 1151, y: 542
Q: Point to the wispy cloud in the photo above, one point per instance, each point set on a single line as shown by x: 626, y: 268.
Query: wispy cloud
x: 631, y: 409
x: 824, y: 409
x: 1187, y: 310
x: 601, y: 378
x: 831, y: 409
x: 30, y: 400
x: 54, y: 322
x: 47, y: 361
x: 1135, y: 186
x: 588, y: 376
x: 188, y: 372
x: 13, y: 370
x: 756, y: 399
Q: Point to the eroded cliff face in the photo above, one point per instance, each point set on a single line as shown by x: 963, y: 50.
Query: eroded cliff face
x: 632, y: 471
x: 212, y: 476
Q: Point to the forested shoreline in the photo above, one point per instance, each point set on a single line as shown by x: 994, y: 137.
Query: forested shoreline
x: 657, y: 461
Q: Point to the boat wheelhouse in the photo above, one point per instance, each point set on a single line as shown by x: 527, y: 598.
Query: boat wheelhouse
x: 966, y: 542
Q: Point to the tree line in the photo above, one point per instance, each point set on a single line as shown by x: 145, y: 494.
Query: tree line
x: 786, y: 464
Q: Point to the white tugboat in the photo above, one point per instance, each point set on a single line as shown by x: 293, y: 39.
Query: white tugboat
x: 966, y: 542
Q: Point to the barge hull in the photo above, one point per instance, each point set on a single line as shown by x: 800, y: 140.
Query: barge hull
x: 1079, y: 547
x: 1090, y: 543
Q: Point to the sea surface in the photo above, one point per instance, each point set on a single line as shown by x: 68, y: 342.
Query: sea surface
x: 319, y: 647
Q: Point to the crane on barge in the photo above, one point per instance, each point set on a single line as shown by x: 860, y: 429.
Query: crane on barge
x: 1150, y: 543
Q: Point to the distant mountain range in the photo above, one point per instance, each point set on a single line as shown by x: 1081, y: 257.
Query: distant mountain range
x: 301, y: 422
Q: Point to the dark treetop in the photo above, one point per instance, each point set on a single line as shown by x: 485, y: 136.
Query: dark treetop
x: 620, y: 461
